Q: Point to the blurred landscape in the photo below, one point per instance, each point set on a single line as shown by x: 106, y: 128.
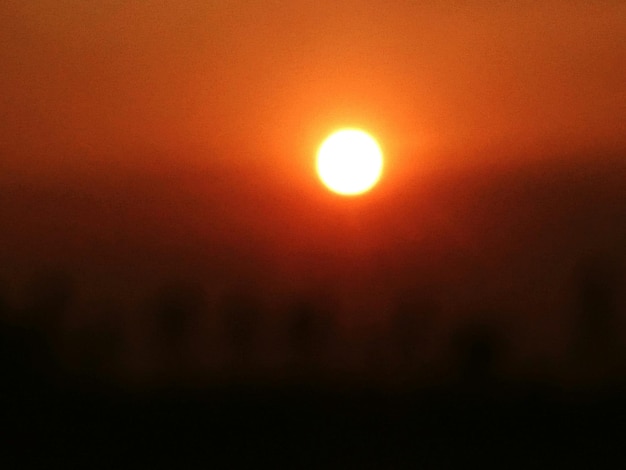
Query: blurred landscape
x: 178, y: 289
x: 487, y: 311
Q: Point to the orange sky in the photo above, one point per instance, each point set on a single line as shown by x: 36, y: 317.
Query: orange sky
x: 90, y: 84
x: 149, y: 138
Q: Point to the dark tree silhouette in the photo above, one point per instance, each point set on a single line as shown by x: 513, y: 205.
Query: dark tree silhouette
x: 308, y: 332
x: 9, y: 351
x: 478, y: 350
x: 99, y: 349
x: 49, y: 298
x: 598, y: 344
x: 241, y: 311
x: 412, y: 327
x: 178, y: 309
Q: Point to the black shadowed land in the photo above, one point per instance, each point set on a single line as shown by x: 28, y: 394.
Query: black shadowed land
x: 68, y: 394
x: 235, y: 371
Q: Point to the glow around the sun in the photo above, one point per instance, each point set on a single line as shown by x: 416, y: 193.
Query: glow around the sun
x: 349, y: 162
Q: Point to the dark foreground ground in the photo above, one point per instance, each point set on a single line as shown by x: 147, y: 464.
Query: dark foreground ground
x: 451, y: 426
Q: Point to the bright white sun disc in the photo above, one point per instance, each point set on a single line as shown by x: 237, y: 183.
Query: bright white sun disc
x: 349, y: 162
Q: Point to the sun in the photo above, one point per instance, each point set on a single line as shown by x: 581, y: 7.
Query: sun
x: 349, y: 162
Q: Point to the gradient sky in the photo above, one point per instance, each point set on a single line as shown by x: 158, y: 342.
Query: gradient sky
x: 88, y: 85
x: 141, y: 139
x: 183, y: 125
